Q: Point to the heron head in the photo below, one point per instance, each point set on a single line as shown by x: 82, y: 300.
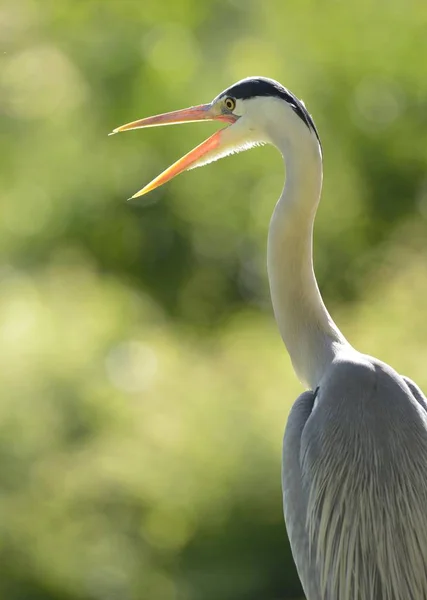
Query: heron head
x: 251, y: 108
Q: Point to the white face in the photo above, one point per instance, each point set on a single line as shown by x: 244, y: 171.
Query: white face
x: 270, y: 120
x: 245, y: 133
x: 260, y: 120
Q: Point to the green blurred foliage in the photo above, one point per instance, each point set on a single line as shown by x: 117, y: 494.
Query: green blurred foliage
x: 144, y: 386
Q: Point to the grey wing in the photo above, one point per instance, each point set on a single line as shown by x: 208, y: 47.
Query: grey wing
x: 294, y: 496
x: 418, y: 394
x: 355, y: 486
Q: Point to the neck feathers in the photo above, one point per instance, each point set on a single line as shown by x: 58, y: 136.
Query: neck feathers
x: 310, y: 335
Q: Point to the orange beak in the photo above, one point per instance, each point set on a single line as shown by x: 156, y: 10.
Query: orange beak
x: 204, y: 112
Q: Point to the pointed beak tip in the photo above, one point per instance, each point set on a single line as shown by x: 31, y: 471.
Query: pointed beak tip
x: 137, y: 195
x: 183, y: 164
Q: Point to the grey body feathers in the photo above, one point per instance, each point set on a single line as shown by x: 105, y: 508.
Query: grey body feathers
x: 355, y: 484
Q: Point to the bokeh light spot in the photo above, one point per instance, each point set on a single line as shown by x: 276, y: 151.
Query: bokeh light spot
x: 40, y: 81
x: 131, y: 366
x: 377, y: 104
x: 172, y: 51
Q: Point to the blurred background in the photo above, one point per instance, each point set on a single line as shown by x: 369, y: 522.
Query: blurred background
x: 144, y: 386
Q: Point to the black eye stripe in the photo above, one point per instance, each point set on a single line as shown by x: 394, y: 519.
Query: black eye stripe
x: 262, y: 86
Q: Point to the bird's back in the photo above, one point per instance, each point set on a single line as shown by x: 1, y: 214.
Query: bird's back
x: 355, y: 496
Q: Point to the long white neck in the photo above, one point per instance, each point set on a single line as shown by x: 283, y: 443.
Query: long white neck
x: 309, y: 333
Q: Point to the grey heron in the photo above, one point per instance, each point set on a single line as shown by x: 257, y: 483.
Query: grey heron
x: 354, y: 465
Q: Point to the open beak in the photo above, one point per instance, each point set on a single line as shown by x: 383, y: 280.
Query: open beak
x: 204, y: 112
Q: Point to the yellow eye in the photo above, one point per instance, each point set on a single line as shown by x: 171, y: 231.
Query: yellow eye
x: 230, y: 103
